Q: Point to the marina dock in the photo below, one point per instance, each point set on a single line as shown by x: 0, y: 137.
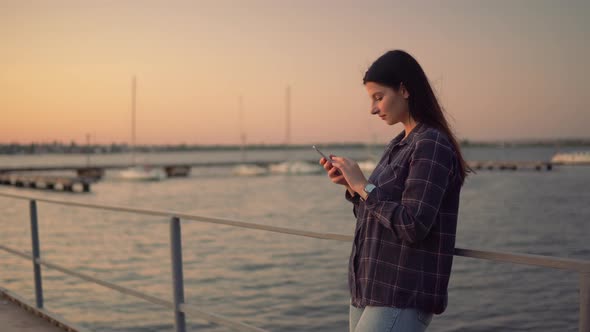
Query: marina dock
x: 26, y: 177
x: 175, y: 170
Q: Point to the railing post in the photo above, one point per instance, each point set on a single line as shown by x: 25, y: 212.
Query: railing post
x: 177, y: 278
x: 36, y: 255
x: 584, y: 302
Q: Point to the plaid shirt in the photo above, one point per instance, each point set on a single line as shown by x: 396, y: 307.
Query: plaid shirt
x: 405, y: 230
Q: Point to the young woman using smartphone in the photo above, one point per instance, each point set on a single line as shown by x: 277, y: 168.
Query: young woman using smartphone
x: 406, y: 212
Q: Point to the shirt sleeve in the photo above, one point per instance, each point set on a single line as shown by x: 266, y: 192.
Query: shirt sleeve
x: 431, y: 166
x: 354, y: 199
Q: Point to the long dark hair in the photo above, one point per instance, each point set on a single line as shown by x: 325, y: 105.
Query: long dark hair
x: 398, y: 67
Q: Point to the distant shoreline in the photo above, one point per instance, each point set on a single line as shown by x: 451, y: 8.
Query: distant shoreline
x: 114, y: 148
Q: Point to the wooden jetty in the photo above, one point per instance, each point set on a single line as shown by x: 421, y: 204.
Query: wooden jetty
x: 510, y: 165
x: 97, y: 172
x: 48, y: 182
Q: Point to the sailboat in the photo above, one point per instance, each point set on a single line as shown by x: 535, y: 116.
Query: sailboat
x: 138, y: 172
x: 244, y: 169
x: 292, y: 167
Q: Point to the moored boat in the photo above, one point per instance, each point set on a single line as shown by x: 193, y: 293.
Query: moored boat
x: 572, y: 158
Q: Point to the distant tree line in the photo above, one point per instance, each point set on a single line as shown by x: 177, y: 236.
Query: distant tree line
x: 74, y: 148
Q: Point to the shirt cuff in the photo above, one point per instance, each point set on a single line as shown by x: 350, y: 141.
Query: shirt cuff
x: 352, y: 198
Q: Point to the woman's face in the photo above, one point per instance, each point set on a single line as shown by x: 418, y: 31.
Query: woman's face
x: 390, y: 105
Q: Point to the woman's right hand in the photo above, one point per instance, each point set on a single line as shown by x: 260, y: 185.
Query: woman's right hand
x: 333, y: 173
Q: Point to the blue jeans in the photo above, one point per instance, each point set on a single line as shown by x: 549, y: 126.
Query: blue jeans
x: 388, y: 319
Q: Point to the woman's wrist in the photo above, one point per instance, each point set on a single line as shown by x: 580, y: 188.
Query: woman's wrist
x: 360, y: 189
x: 350, y: 191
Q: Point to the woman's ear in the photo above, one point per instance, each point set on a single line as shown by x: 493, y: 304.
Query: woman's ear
x: 404, y: 91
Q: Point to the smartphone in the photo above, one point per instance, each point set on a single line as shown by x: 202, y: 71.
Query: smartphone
x: 323, y: 155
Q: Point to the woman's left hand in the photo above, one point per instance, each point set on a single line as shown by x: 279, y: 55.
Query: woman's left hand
x: 352, y: 173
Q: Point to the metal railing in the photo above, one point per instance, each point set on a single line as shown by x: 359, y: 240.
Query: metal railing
x: 180, y: 308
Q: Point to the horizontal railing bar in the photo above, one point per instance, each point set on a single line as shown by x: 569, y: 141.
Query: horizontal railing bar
x: 121, y: 289
x: 212, y: 220
x: 524, y: 259
x: 187, y: 308
x: 16, y: 252
x: 86, y: 277
x: 527, y: 259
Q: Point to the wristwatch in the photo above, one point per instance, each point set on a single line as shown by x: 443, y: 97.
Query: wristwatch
x: 367, y: 189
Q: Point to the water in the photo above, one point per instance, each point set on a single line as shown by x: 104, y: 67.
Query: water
x: 286, y: 283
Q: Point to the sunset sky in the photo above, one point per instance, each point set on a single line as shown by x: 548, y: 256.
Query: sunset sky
x: 504, y: 69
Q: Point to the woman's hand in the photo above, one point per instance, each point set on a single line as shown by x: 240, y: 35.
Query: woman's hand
x: 333, y: 173
x: 352, y: 173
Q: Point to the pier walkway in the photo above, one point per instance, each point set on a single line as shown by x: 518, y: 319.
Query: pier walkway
x: 18, y: 316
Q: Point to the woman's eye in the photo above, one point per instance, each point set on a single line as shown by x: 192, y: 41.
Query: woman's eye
x: 379, y: 98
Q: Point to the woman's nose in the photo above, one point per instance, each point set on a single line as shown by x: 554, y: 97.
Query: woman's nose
x: 374, y: 110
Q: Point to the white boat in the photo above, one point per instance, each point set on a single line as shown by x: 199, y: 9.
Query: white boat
x: 249, y: 170
x: 138, y: 172
x: 572, y: 158
x: 142, y: 173
x: 292, y: 167
x: 245, y: 169
x: 295, y: 168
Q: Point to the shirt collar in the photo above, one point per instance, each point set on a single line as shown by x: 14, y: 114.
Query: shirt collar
x: 399, y: 139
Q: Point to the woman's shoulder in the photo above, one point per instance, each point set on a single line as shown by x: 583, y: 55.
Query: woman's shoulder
x: 430, y: 134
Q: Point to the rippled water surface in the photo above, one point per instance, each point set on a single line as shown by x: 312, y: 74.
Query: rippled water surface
x: 286, y: 283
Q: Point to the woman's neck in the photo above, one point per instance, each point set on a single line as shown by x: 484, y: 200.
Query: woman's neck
x: 409, y: 125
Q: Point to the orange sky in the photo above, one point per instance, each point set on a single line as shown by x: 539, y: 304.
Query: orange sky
x: 504, y: 69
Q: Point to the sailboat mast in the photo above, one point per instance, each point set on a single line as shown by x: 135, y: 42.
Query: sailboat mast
x: 288, y: 115
x: 133, y: 96
x: 242, y: 132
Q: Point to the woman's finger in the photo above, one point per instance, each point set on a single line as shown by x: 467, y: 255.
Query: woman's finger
x: 341, y: 162
x: 333, y: 171
x: 337, y: 178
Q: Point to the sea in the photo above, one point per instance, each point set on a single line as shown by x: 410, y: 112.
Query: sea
x: 281, y: 282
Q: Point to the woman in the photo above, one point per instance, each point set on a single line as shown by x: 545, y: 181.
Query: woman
x: 406, y: 211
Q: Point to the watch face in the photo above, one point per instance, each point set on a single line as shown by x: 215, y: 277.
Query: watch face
x: 369, y: 187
